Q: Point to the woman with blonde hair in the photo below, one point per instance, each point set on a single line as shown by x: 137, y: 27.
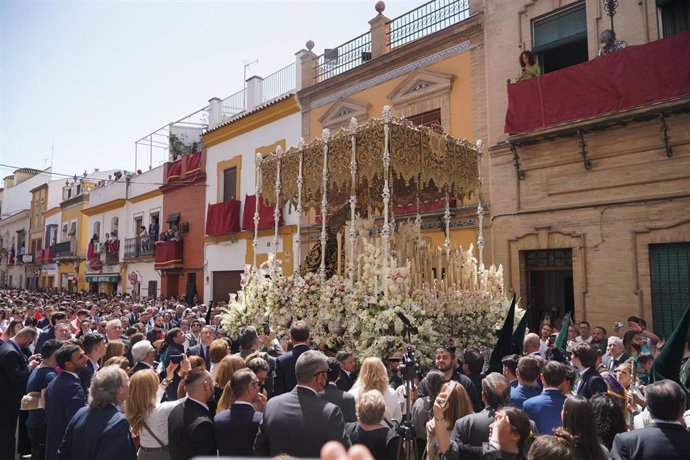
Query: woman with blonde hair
x: 147, y: 416
x: 222, y: 391
x: 119, y: 361
x: 458, y: 405
x: 373, y: 376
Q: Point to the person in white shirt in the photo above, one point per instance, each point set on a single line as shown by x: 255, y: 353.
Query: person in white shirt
x: 373, y: 376
x: 585, y: 332
x: 147, y: 415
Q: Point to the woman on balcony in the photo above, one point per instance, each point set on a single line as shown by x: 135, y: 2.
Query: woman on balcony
x: 143, y: 239
x: 528, y: 66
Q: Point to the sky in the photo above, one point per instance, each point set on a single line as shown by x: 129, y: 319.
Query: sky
x: 82, y: 81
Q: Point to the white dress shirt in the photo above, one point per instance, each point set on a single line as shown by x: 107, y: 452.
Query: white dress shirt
x: 157, y: 421
x: 390, y: 397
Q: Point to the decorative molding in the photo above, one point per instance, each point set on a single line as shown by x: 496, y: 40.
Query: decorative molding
x: 421, y: 84
x: 390, y: 75
x: 340, y: 113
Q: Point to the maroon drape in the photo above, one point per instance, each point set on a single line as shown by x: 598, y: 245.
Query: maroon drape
x: 265, y: 214
x: 223, y: 218
x: 425, y: 206
x: 192, y: 162
x: 175, y: 169
x: 634, y: 76
x: 168, y: 253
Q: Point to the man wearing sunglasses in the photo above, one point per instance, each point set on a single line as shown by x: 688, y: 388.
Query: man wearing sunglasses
x: 299, y: 423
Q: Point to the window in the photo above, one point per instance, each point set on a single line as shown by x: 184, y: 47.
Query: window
x: 73, y: 228
x: 560, y: 39
x: 670, y: 283
x: 64, y: 232
x: 138, y: 222
x: 97, y: 229
x: 432, y: 117
x: 229, y: 183
x: 674, y: 16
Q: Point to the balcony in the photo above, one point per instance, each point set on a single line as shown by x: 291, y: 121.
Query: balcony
x: 134, y: 248
x: 168, y: 254
x: 223, y: 218
x: 185, y: 167
x: 45, y: 256
x: 64, y: 250
x: 631, y: 79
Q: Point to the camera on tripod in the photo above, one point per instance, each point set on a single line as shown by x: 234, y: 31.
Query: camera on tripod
x: 409, y: 366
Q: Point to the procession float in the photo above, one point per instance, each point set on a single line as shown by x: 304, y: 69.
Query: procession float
x: 366, y: 267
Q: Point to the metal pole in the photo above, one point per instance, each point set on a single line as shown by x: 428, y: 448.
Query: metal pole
x: 480, y: 208
x: 352, y: 233
x: 276, y: 210
x: 257, y: 190
x: 386, y: 231
x: 324, y: 202
x: 300, y: 184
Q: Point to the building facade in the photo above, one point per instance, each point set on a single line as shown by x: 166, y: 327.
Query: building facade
x: 232, y: 147
x: 428, y: 67
x: 590, y: 162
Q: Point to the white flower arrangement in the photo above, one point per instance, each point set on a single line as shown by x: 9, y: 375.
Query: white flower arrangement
x: 362, y: 316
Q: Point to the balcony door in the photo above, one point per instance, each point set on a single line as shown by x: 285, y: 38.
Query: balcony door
x: 560, y: 39
x: 549, y: 276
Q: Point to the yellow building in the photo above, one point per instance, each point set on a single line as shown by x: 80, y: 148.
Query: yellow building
x: 429, y: 72
x: 73, y: 236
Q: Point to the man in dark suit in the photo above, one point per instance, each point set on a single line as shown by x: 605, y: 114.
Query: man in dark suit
x: 528, y: 370
x: 93, y: 345
x: 207, y: 335
x: 45, y: 321
x: 285, y: 379
x: 249, y: 343
x: 236, y: 427
x: 545, y: 409
x: 49, y: 332
x: 64, y: 396
x: 615, y: 354
x: 299, y: 423
x: 100, y: 430
x: 14, y: 373
x: 190, y: 427
x: 347, y: 376
x: 585, y: 360
x: 144, y: 355
x: 334, y: 395
x: 666, y: 438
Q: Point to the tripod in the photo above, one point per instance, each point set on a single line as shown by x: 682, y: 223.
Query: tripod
x: 407, y: 444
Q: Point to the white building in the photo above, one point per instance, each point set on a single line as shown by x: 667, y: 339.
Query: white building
x: 123, y: 221
x: 231, y: 152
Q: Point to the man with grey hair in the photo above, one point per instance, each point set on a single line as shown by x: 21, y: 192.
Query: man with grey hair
x: 100, y: 430
x: 113, y: 331
x: 299, y: 423
x: 143, y: 354
x: 473, y: 429
x: 615, y: 354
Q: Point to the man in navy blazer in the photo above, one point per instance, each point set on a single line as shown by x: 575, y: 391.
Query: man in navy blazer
x: 285, y: 379
x: 527, y: 373
x: 299, y: 423
x: 64, y: 396
x: 236, y: 427
x: 345, y: 401
x: 14, y: 373
x: 545, y: 409
x: 190, y: 426
x: 666, y: 438
x: 100, y: 430
x: 585, y: 360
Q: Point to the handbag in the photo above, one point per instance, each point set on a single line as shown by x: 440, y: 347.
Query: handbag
x: 160, y: 443
x: 31, y: 401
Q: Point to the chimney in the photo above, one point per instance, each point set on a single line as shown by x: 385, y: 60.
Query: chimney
x: 306, y: 60
x: 215, y: 112
x: 254, y: 94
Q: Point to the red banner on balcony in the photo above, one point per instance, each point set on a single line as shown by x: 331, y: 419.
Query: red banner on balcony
x: 174, y: 170
x: 192, y: 163
x: 223, y: 218
x: 634, y: 76
x: 265, y: 214
x: 168, y: 253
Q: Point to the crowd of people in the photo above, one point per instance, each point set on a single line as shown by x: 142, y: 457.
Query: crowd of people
x: 85, y: 376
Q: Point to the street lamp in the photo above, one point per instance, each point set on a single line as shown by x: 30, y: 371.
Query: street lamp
x: 610, y: 8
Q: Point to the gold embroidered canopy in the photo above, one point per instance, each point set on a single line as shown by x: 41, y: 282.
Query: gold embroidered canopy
x: 423, y: 160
